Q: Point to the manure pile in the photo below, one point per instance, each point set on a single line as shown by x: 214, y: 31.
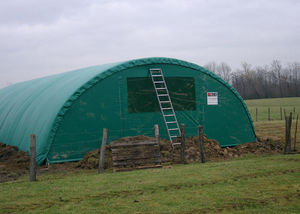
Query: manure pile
x: 15, y: 163
x: 213, y: 151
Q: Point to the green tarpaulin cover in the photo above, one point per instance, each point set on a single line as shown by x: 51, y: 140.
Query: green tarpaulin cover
x: 68, y: 111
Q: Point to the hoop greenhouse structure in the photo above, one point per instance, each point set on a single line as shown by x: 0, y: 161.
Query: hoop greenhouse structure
x: 68, y: 111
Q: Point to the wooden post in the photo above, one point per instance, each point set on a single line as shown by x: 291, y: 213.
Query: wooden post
x: 182, y: 143
x: 201, y: 146
x: 256, y: 113
x: 295, y: 136
x: 269, y: 117
x: 32, y: 169
x: 102, y: 152
x: 288, y: 125
x: 284, y: 113
x: 294, y: 113
x: 280, y: 113
x: 156, y: 130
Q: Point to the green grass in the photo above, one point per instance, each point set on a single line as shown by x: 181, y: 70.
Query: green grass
x: 269, y: 184
x: 276, y: 130
x: 275, y: 127
x: 252, y: 184
x: 262, y: 105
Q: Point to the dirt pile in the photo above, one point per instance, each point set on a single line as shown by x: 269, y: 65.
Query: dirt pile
x: 212, y: 149
x: 13, y: 163
x: 91, y: 159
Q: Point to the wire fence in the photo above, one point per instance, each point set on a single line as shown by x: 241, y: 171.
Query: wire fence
x: 265, y: 113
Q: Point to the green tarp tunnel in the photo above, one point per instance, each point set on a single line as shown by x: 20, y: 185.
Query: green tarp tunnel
x: 68, y: 111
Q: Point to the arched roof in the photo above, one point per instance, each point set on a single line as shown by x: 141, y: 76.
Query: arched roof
x: 38, y: 106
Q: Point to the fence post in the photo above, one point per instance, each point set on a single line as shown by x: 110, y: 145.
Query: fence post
x: 269, y: 117
x: 288, y: 125
x: 256, y: 113
x: 102, y: 152
x: 284, y: 113
x: 156, y: 131
x: 294, y: 114
x: 182, y: 143
x: 32, y: 169
x: 200, y: 139
x: 280, y: 113
x: 295, y: 136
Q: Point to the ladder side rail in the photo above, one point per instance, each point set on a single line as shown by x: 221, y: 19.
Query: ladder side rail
x: 161, y: 108
x: 171, y: 104
x: 163, y: 86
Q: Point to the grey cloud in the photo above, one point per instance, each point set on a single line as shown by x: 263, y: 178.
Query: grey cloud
x: 39, y: 38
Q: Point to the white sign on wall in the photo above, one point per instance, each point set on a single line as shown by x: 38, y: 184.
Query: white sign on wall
x: 212, y: 98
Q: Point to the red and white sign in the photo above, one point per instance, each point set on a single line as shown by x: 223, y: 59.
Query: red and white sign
x: 212, y: 98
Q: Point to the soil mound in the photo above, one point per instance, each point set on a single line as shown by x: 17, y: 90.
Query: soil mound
x: 212, y: 151
x: 91, y: 159
x: 13, y: 163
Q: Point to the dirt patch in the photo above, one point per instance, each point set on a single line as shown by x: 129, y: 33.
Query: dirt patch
x: 13, y: 163
x: 91, y: 159
x: 213, y: 151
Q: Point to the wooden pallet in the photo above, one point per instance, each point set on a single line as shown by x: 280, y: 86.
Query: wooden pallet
x: 127, y: 156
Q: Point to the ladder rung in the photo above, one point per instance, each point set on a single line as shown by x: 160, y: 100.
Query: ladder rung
x: 167, y: 110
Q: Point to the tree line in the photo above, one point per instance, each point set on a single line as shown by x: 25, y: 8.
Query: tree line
x: 269, y: 81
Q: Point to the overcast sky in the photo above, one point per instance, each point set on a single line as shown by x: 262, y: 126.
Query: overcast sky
x: 44, y: 37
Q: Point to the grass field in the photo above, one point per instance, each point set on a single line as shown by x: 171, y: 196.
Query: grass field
x: 275, y: 127
x: 251, y: 184
x: 269, y: 184
x: 276, y: 130
x: 288, y: 104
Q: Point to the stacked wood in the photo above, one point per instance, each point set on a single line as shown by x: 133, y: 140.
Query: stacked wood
x: 132, y: 155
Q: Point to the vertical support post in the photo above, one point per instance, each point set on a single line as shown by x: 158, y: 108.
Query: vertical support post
x: 288, y: 125
x: 201, y: 146
x: 182, y: 143
x: 102, y: 152
x: 269, y: 116
x: 294, y: 113
x: 256, y: 113
x: 284, y: 113
x: 280, y: 113
x: 295, y: 136
x: 32, y: 169
x: 156, y: 131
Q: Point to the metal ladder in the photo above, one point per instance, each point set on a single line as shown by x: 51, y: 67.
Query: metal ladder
x: 165, y: 104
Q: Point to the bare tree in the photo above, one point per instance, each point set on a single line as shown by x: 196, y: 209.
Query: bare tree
x: 273, y: 80
x: 224, y: 71
x: 276, y: 68
x: 212, y: 66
